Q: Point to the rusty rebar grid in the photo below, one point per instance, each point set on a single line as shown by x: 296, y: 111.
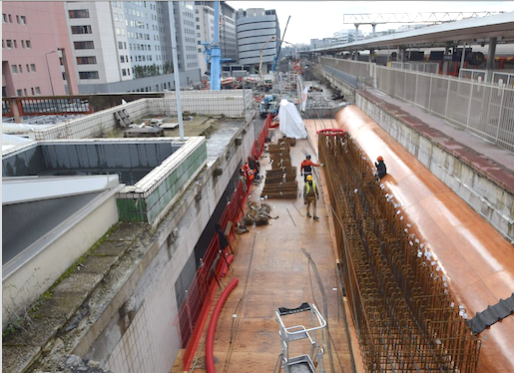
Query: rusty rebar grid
x: 405, y: 317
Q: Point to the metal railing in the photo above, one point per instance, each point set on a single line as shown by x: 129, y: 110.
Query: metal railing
x: 485, y: 109
x: 425, y: 67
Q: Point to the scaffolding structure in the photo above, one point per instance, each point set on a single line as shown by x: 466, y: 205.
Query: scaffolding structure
x: 404, y: 315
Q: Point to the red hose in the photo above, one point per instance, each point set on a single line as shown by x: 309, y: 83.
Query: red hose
x: 209, y: 344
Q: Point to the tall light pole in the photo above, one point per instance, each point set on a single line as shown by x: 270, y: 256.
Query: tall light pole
x: 48, y: 67
x: 176, y: 69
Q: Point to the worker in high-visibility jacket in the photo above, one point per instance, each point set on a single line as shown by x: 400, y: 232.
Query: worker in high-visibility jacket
x: 310, y: 196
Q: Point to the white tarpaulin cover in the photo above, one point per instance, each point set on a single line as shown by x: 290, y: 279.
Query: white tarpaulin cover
x: 291, y: 123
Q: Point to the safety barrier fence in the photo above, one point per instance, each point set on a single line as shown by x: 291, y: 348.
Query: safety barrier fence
x: 36, y: 106
x: 403, y: 311
x: 194, y: 310
x: 484, y: 109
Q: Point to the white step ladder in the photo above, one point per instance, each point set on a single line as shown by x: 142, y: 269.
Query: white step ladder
x: 314, y: 332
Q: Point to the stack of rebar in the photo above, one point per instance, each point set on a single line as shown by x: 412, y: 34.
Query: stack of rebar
x: 405, y: 317
x: 281, y: 179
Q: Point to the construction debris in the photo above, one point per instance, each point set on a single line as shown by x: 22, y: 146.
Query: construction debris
x: 258, y: 215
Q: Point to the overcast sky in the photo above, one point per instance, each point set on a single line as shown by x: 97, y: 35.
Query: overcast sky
x: 320, y: 19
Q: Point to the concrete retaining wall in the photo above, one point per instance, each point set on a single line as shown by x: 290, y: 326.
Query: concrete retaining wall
x: 152, y: 288
x: 32, y: 279
x: 151, y: 196
x: 230, y: 103
x: 486, y: 197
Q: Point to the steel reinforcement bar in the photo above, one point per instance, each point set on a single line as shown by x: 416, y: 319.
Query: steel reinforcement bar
x: 405, y: 317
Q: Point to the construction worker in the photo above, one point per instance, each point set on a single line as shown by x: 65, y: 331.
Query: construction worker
x: 381, y: 167
x: 255, y: 165
x: 306, y: 167
x: 247, y: 172
x: 310, y: 196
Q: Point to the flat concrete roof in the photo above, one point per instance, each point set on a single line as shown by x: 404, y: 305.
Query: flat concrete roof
x: 500, y: 26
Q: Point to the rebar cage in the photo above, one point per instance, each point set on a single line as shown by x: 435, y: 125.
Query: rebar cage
x: 404, y: 314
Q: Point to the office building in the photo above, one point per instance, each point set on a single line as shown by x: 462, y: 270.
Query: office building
x: 255, y: 29
x: 204, y: 17
x: 36, y: 50
x: 126, y: 46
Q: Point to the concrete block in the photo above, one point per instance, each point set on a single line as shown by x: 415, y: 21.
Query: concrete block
x: 36, y: 334
x: 19, y: 358
x: 82, y: 283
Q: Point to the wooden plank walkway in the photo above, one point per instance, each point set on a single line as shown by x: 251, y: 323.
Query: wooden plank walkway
x: 273, y: 272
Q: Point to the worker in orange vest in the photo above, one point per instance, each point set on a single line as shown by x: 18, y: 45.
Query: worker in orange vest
x: 306, y: 167
x: 247, y: 172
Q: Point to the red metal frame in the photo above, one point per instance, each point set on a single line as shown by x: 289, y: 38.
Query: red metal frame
x: 195, y: 309
x: 331, y: 131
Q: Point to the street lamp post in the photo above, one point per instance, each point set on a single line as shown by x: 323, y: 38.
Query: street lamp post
x: 48, y: 67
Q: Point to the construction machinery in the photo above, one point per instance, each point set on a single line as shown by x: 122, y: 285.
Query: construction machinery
x: 269, y: 105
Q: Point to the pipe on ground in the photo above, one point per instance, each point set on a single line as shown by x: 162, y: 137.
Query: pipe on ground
x: 209, y: 345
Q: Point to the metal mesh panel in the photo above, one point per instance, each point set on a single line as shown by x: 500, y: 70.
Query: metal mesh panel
x: 404, y: 315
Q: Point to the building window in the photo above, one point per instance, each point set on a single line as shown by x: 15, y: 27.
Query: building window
x: 120, y: 45
x: 23, y: 43
x: 15, y: 44
x: 122, y: 59
x: 19, y: 68
x: 84, y: 45
x: 32, y: 91
x: 14, y: 69
x: 3, y: 44
x: 10, y: 19
x: 82, y: 13
x: 81, y: 30
x: 125, y: 45
x: 124, y: 72
x: 86, y: 60
x: 19, y: 92
x: 28, y: 44
x: 27, y: 67
x: 23, y: 20
x: 33, y: 67
x: 88, y: 75
x: 25, y: 91
x: 18, y: 19
x: 4, y: 18
x: 38, y: 91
